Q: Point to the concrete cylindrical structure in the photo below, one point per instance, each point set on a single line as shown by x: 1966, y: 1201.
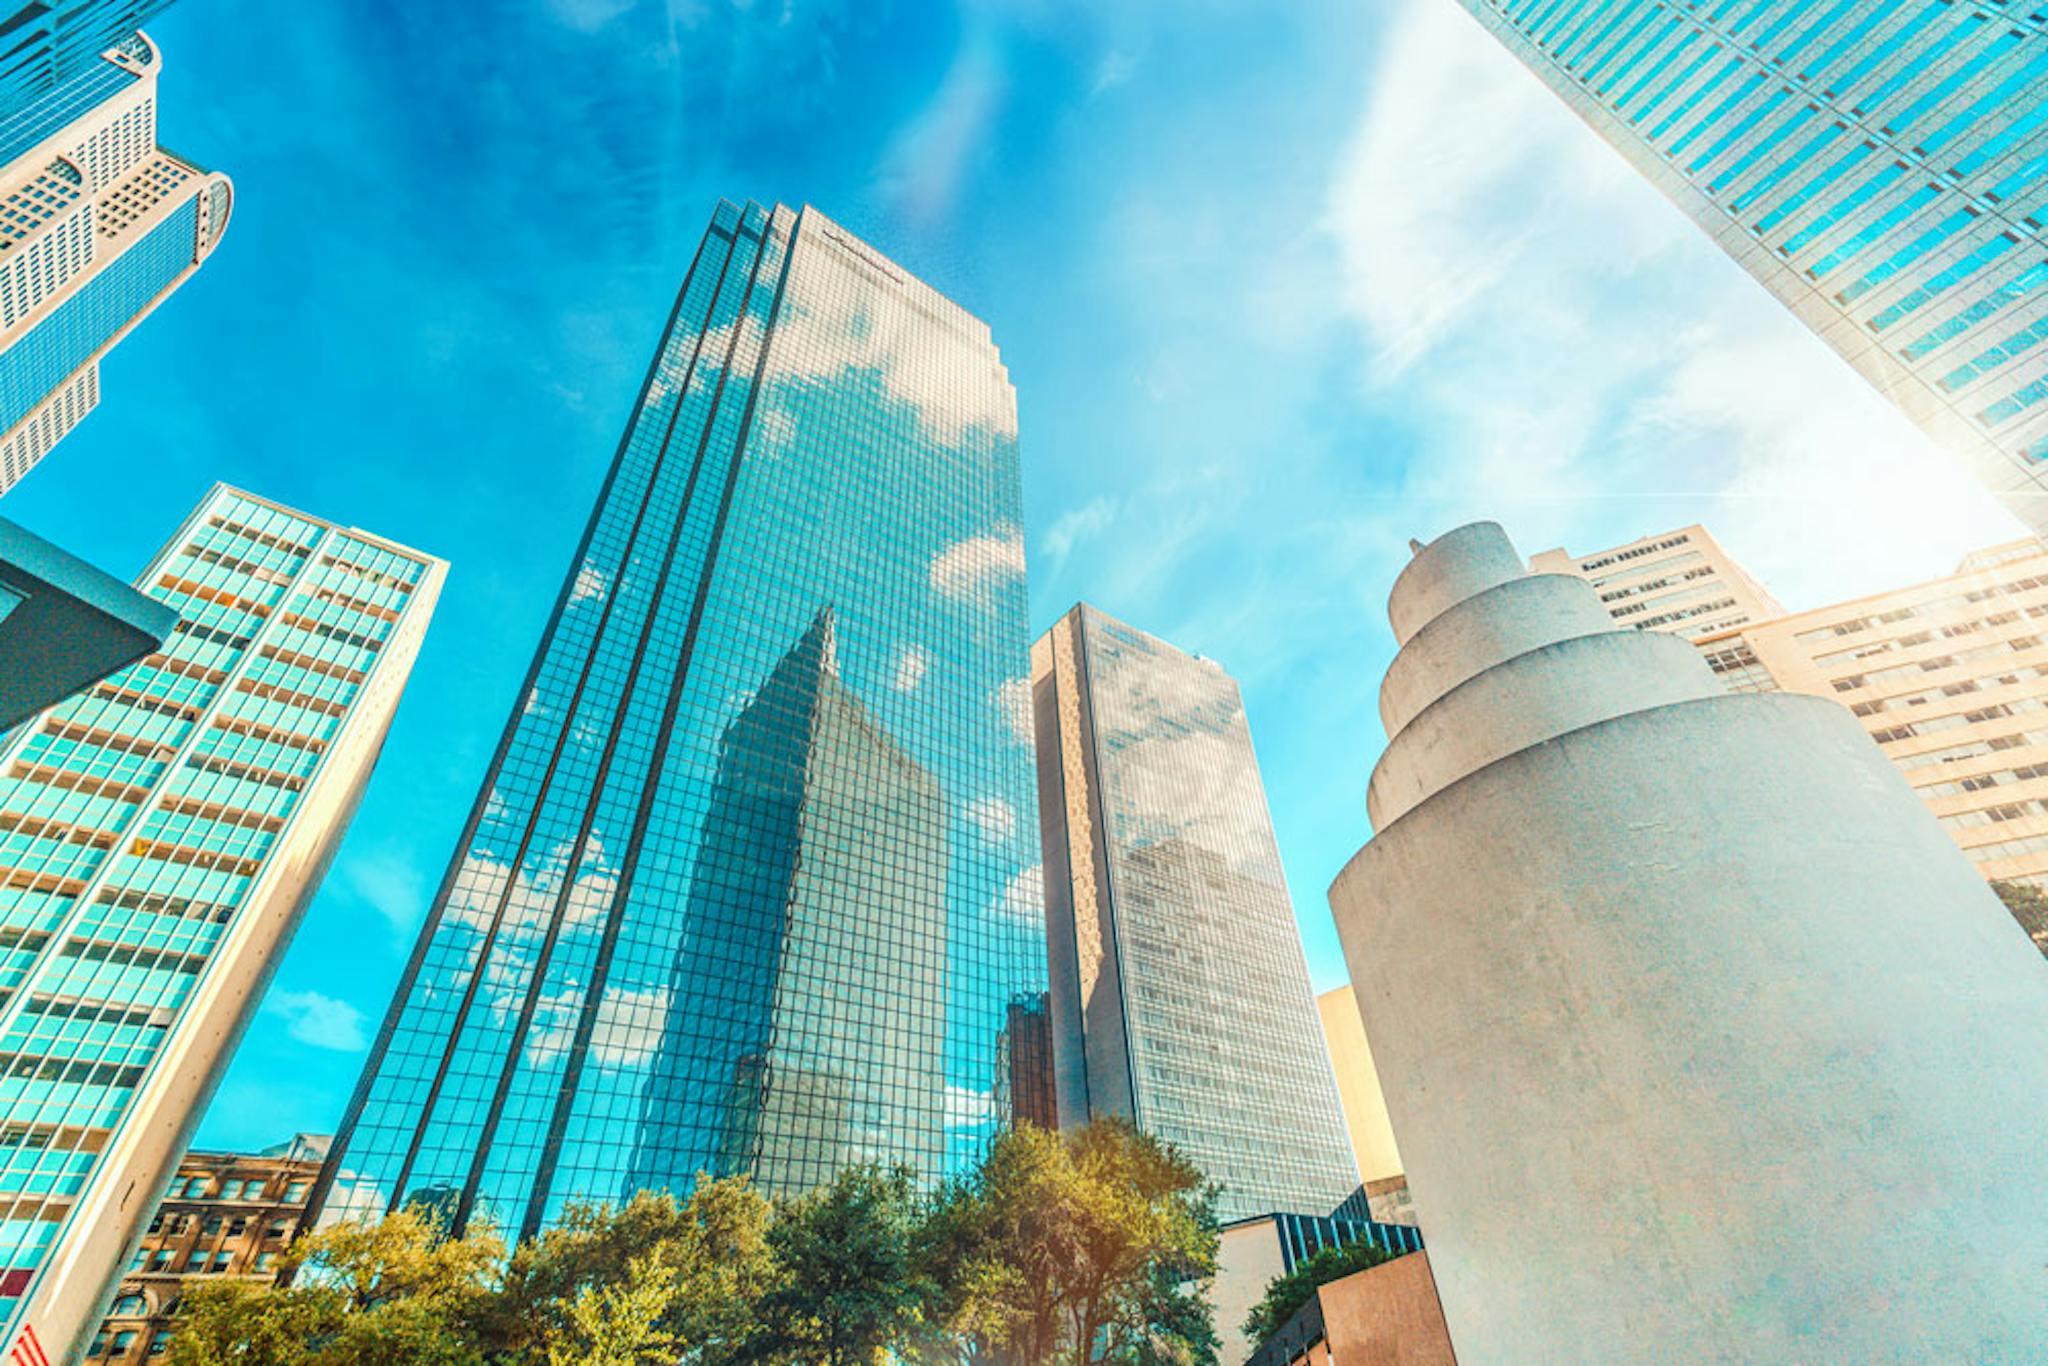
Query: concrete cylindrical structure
x: 1701, y: 1040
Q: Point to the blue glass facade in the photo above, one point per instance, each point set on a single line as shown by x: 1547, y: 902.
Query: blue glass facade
x: 48, y: 43
x: 1881, y: 166
x: 112, y: 298
x: 1179, y: 995
x: 741, y: 890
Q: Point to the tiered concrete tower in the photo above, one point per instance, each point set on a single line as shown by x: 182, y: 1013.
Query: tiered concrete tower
x: 1700, y: 1038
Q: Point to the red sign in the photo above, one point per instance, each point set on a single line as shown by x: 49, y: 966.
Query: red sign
x: 28, y: 1351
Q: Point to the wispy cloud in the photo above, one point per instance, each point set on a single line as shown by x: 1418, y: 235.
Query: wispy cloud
x: 319, y: 1021
x: 1076, y: 525
x: 964, y: 568
x: 930, y: 159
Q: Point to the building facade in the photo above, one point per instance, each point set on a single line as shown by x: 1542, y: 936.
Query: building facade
x: 1624, y: 941
x: 160, y: 835
x: 1950, y: 677
x: 1882, y: 168
x: 1358, y: 1088
x: 1252, y: 1253
x: 52, y: 41
x: 1179, y: 994
x: 1388, y: 1315
x: 746, y: 887
x: 1681, y: 582
x: 98, y: 225
x: 224, y: 1215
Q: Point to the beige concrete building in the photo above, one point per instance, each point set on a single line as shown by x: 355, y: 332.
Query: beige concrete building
x: 1680, y: 582
x: 98, y: 226
x: 160, y: 835
x: 1950, y: 677
x: 1253, y: 1253
x: 1688, y: 1015
x: 1358, y: 1087
x: 225, y: 1216
x: 1386, y: 1315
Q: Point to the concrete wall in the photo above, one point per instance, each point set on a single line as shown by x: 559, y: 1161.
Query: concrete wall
x: 1247, y: 1261
x: 1701, y: 1040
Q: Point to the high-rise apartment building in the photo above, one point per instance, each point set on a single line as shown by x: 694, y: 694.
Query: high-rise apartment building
x: 50, y: 41
x: 224, y: 1216
x: 1178, y: 991
x: 1881, y: 167
x: 747, y: 885
x: 160, y: 835
x: 1681, y: 582
x: 98, y: 225
x: 1950, y: 677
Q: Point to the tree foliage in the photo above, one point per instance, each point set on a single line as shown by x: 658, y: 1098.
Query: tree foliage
x: 1059, y: 1250
x: 2029, y: 906
x: 1290, y: 1292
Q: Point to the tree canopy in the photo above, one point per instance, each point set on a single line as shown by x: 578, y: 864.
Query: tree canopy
x: 1290, y: 1292
x: 1057, y: 1250
x: 2029, y: 906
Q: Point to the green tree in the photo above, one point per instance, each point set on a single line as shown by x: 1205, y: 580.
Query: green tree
x: 2029, y: 906
x: 850, y: 1287
x: 1083, y: 1248
x: 715, y: 1244
x: 1288, y: 1293
x: 619, y: 1324
x: 395, y: 1290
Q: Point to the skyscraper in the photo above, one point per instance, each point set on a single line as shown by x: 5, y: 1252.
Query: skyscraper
x: 50, y: 41
x: 98, y: 225
x: 1881, y: 167
x: 160, y: 835
x: 1179, y: 994
x: 746, y: 886
x: 1682, y: 583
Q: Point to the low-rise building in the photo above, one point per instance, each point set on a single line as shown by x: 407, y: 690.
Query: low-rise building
x: 224, y: 1215
x: 1253, y: 1253
x: 1387, y: 1315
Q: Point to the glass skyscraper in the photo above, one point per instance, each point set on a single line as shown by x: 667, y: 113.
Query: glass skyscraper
x: 45, y: 43
x: 747, y: 885
x: 1179, y: 997
x: 160, y: 834
x: 1880, y: 165
x: 98, y: 225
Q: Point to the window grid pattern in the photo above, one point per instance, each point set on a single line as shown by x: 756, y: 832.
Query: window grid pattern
x: 135, y: 818
x: 1224, y: 1046
x: 47, y: 425
x: 53, y: 42
x: 1870, y: 161
x: 740, y: 889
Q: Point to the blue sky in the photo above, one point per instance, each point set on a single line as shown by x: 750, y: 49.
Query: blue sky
x: 1279, y: 285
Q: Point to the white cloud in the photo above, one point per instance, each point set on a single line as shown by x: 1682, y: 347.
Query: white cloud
x: 388, y: 883
x: 931, y: 156
x: 1075, y: 525
x: 1584, y: 365
x: 969, y: 1109
x: 626, y: 1032
x: 319, y: 1021
x: 911, y: 667
x: 1013, y: 700
x: 995, y: 818
x: 591, y: 585
x: 1023, y: 899
x: 962, y: 569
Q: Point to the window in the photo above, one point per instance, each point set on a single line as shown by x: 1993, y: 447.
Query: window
x: 195, y: 1189
x: 123, y: 1340
x: 160, y: 1260
x: 264, y: 1261
x: 278, y: 1228
x: 295, y: 1193
x: 129, y: 1306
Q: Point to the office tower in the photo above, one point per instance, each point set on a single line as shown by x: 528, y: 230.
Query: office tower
x: 49, y: 42
x: 98, y: 225
x: 160, y: 835
x: 1881, y: 168
x: 225, y: 1216
x: 1950, y: 677
x: 1024, y: 1078
x: 1685, y: 988
x: 1179, y: 997
x: 746, y: 886
x: 64, y: 625
x: 1681, y: 582
x: 1358, y: 1087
